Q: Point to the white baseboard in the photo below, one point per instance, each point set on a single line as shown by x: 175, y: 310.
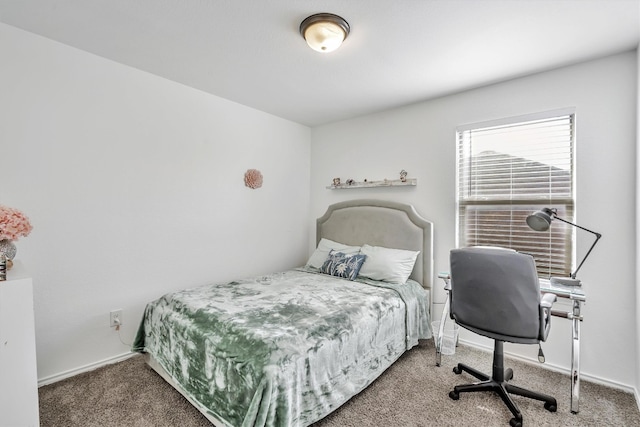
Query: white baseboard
x: 608, y: 383
x: 86, y: 368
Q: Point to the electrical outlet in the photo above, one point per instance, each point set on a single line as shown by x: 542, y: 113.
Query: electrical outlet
x: 115, y: 318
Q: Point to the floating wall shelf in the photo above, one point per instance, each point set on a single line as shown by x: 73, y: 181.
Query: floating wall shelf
x: 371, y: 184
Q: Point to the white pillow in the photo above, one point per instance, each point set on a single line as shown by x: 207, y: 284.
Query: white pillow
x: 387, y: 265
x: 325, y: 246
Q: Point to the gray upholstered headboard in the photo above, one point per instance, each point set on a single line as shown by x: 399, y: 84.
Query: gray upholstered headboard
x: 381, y: 223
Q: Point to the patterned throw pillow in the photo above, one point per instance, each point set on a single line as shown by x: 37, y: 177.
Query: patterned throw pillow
x: 343, y: 265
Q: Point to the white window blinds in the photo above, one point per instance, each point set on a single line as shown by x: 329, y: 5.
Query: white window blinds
x: 508, y: 170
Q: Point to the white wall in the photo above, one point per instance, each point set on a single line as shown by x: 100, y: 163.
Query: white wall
x: 421, y: 139
x: 134, y: 186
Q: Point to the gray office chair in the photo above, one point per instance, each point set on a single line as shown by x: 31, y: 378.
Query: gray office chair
x: 495, y: 293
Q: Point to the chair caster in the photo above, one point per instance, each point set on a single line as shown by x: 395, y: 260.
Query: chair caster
x: 508, y: 374
x: 457, y: 370
x: 454, y: 395
x: 514, y: 422
x: 551, y: 407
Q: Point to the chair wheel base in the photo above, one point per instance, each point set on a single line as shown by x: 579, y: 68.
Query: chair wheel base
x: 498, y: 382
x: 514, y: 422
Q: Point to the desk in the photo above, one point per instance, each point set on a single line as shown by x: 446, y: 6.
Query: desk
x: 577, y: 295
x: 573, y: 293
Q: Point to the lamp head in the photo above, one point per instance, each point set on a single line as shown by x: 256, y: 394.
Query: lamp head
x: 541, y: 220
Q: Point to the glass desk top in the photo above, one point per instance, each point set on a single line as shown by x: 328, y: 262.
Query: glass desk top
x: 564, y: 291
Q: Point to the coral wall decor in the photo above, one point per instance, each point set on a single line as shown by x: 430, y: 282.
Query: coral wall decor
x: 253, y: 178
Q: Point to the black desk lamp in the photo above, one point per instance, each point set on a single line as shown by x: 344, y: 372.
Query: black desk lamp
x: 540, y: 221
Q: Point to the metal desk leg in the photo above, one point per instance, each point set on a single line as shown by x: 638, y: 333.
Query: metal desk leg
x: 439, y: 346
x: 438, y: 340
x: 445, y: 312
x: 575, y: 358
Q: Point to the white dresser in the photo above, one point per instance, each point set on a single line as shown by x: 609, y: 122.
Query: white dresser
x: 18, y: 369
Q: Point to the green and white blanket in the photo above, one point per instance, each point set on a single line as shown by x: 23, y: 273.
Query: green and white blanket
x: 284, y: 349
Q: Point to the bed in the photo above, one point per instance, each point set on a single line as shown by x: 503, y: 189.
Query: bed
x: 288, y: 348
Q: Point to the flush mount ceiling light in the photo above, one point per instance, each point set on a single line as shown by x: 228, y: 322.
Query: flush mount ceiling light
x: 324, y: 32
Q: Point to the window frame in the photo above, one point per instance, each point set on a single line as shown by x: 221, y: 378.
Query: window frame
x: 533, y: 203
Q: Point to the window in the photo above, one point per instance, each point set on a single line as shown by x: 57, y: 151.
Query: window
x: 509, y: 169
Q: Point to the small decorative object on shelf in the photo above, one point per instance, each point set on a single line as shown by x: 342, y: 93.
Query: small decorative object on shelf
x: 253, y: 178
x: 403, y: 175
x: 336, y: 181
x: 13, y: 225
x: 350, y: 181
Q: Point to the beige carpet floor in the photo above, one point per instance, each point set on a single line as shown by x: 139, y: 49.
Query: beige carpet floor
x: 413, y: 392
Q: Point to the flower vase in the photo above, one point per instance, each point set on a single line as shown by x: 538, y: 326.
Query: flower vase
x: 8, y: 248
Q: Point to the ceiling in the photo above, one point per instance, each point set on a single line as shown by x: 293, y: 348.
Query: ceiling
x: 399, y: 51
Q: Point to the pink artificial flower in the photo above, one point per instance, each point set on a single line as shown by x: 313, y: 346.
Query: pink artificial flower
x: 253, y: 178
x: 13, y: 224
